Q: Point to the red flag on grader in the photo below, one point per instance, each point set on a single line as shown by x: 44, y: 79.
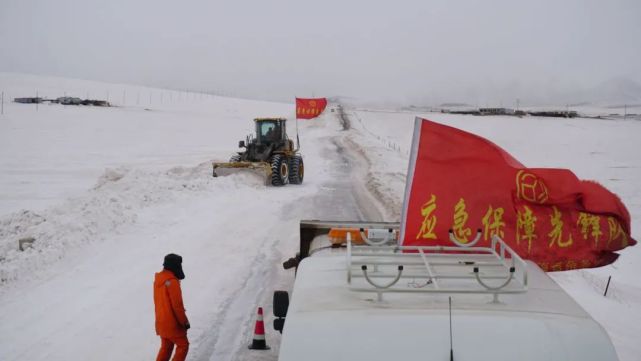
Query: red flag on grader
x: 309, y: 108
x: 463, y: 188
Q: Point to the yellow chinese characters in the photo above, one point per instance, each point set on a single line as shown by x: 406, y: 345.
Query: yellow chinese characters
x: 307, y: 111
x: 556, y: 234
x: 493, y: 223
x: 525, y: 227
x: 460, y: 219
x: 589, y: 226
x: 568, y: 265
x: 429, y: 219
x: 616, y: 232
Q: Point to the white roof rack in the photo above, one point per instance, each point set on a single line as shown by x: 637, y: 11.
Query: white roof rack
x: 462, y: 268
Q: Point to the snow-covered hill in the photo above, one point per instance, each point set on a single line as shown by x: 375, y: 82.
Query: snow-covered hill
x: 107, y: 192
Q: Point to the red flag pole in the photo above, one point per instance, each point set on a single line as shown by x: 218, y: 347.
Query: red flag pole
x: 296, y: 120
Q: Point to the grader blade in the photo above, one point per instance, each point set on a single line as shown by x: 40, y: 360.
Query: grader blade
x: 226, y: 168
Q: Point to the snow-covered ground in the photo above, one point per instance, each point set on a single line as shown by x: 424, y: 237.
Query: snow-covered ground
x: 107, y: 192
x: 602, y: 150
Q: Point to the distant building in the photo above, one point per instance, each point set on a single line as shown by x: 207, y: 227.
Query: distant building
x: 555, y: 113
x: 97, y: 103
x: 28, y: 100
x: 69, y: 101
x: 463, y: 112
x: 496, y: 111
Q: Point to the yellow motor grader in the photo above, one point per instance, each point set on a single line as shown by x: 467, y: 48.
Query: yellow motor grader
x: 269, y: 151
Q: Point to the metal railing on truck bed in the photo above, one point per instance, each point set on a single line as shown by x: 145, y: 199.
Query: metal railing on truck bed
x: 378, y: 266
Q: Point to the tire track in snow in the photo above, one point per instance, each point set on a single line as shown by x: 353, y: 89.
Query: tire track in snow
x: 349, y: 198
x: 216, y: 343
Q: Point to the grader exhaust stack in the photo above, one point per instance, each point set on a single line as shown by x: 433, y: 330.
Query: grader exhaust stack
x: 270, y: 152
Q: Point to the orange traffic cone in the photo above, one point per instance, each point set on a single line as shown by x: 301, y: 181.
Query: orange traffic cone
x: 258, y: 343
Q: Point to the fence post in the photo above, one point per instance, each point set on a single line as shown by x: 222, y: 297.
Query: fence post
x: 2, y: 106
x: 607, y: 286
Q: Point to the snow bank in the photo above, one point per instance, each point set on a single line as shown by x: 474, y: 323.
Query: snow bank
x: 112, y: 203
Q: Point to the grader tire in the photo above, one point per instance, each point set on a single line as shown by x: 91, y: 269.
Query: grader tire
x: 280, y: 170
x: 296, y: 170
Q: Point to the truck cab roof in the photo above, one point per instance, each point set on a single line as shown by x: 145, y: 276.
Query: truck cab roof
x: 327, y: 320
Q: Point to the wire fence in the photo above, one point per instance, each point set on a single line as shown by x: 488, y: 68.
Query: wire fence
x: 123, y: 97
x: 388, y: 142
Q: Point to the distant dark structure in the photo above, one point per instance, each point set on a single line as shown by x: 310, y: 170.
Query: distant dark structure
x: 555, y: 113
x: 96, y: 103
x: 512, y: 112
x: 28, y: 100
x: 496, y: 111
x: 68, y: 101
x: 64, y: 101
x: 464, y: 112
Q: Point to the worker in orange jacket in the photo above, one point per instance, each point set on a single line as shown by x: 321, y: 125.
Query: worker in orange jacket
x: 171, y: 321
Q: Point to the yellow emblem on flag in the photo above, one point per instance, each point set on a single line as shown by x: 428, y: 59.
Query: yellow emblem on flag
x: 530, y: 188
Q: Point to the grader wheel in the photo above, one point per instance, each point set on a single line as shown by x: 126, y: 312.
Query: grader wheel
x: 280, y: 170
x: 296, y: 170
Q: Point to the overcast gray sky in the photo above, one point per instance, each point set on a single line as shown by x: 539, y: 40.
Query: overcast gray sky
x: 408, y: 51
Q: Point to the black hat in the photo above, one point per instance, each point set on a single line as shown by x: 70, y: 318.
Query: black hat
x: 173, y: 263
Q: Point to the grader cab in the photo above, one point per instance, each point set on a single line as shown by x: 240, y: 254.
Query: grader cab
x: 269, y: 151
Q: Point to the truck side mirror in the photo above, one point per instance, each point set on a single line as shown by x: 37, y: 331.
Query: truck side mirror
x: 281, y: 304
x: 279, y: 323
x: 241, y: 144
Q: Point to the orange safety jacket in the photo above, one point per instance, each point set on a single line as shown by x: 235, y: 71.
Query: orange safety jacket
x: 168, y: 301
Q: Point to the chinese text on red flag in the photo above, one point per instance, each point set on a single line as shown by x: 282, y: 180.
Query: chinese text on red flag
x: 310, y: 108
x: 461, y: 182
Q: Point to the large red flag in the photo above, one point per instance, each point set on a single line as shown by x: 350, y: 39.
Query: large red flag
x: 310, y: 108
x: 461, y: 182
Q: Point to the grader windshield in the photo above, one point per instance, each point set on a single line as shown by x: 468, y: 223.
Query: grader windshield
x: 270, y: 130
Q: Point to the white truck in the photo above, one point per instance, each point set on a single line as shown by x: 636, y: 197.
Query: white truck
x: 380, y: 302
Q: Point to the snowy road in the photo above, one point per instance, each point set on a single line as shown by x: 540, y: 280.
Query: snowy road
x: 232, y: 231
